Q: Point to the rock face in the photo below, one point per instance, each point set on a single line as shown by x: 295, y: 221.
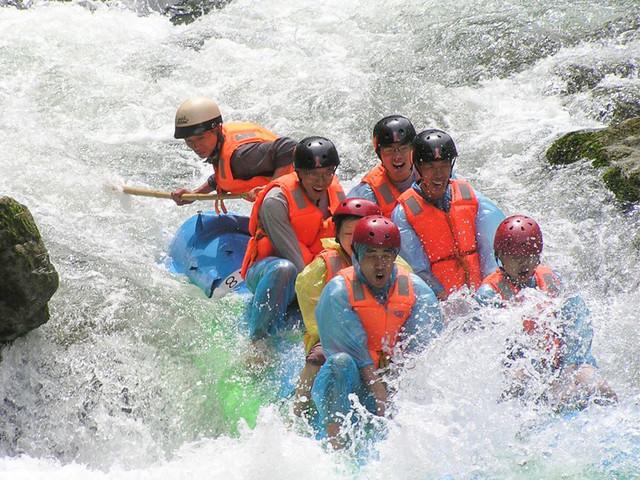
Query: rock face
x: 27, y: 277
x: 615, y: 149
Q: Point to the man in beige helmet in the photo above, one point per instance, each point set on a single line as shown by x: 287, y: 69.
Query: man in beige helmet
x: 245, y: 156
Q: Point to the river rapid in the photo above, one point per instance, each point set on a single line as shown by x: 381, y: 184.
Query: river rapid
x: 108, y: 388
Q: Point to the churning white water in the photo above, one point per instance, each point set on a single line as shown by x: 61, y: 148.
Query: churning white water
x: 108, y: 388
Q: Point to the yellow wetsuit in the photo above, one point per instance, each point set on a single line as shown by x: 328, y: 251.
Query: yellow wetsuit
x: 309, y: 285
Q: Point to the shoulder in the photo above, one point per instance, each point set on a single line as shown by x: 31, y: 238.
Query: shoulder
x: 334, y: 293
x: 486, y: 295
x: 275, y: 195
x: 360, y: 190
x: 422, y: 290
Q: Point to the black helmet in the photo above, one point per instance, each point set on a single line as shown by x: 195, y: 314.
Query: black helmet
x: 315, y: 152
x: 433, y: 144
x: 392, y: 129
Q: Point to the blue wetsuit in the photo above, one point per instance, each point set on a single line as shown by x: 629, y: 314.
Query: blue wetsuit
x: 488, y: 218
x: 576, y: 332
x: 344, y: 341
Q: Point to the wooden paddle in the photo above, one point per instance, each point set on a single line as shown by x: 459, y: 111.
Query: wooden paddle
x: 147, y: 192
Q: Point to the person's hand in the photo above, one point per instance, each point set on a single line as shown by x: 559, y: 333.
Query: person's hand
x: 218, y: 205
x: 442, y: 295
x: 252, y: 194
x: 176, y: 196
x: 381, y: 403
x: 385, y: 361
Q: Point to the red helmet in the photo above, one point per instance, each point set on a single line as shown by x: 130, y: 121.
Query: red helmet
x: 356, y: 207
x: 518, y: 235
x: 376, y: 231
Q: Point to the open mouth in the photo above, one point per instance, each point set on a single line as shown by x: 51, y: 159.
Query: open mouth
x: 399, y: 166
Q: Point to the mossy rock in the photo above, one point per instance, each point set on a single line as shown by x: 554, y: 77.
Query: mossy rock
x: 617, y: 148
x: 27, y: 277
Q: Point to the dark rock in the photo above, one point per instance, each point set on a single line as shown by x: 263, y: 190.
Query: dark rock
x: 27, y: 277
x: 616, y: 149
x: 617, y: 104
x: 187, y: 11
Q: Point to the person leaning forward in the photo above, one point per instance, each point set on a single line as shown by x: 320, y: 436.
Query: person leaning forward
x: 447, y: 227
x: 245, y: 157
x: 552, y: 362
x: 289, y: 219
x: 310, y: 282
x: 367, y: 314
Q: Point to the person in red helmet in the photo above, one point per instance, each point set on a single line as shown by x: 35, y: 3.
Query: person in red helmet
x: 383, y: 184
x: 366, y: 315
x: 311, y: 281
x: 245, y: 157
x: 556, y: 343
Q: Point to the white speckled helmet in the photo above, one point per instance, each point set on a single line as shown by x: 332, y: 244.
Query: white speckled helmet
x: 196, y: 116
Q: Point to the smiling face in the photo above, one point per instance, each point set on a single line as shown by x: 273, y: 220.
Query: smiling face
x: 435, y: 178
x: 519, y: 268
x: 315, y: 182
x: 376, y: 265
x: 204, y: 144
x: 396, y: 160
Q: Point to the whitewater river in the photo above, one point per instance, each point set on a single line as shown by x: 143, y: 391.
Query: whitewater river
x: 110, y: 387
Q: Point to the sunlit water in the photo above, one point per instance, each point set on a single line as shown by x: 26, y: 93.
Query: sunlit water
x: 111, y: 386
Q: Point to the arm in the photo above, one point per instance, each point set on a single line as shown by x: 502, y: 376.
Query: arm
x: 274, y: 218
x: 411, y: 250
x: 339, y: 326
x: 577, y: 333
x: 374, y: 383
x: 488, y: 218
x: 207, y: 187
x: 425, y: 322
x: 309, y: 284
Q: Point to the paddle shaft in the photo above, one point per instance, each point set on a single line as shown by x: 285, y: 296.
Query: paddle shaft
x: 147, y: 192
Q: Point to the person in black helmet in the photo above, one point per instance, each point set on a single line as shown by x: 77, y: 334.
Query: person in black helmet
x: 383, y: 184
x: 289, y: 218
x: 245, y: 156
x: 447, y: 228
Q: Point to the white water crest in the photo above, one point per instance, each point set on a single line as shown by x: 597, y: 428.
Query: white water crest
x: 109, y: 387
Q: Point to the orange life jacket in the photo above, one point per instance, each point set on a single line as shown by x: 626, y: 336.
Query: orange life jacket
x: 236, y: 134
x: 546, y: 281
x: 306, y: 219
x: 382, y: 323
x: 334, y: 261
x: 448, y: 238
x: 383, y: 188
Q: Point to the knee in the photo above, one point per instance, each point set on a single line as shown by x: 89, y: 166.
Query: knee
x: 282, y: 270
x: 341, y: 364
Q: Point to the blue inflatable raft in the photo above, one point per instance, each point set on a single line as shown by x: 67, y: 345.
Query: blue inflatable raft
x: 208, y: 249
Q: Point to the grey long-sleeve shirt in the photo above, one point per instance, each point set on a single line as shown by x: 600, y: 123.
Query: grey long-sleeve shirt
x: 274, y: 218
x: 259, y: 158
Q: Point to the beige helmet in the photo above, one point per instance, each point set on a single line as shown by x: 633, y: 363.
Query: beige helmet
x: 196, y: 116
